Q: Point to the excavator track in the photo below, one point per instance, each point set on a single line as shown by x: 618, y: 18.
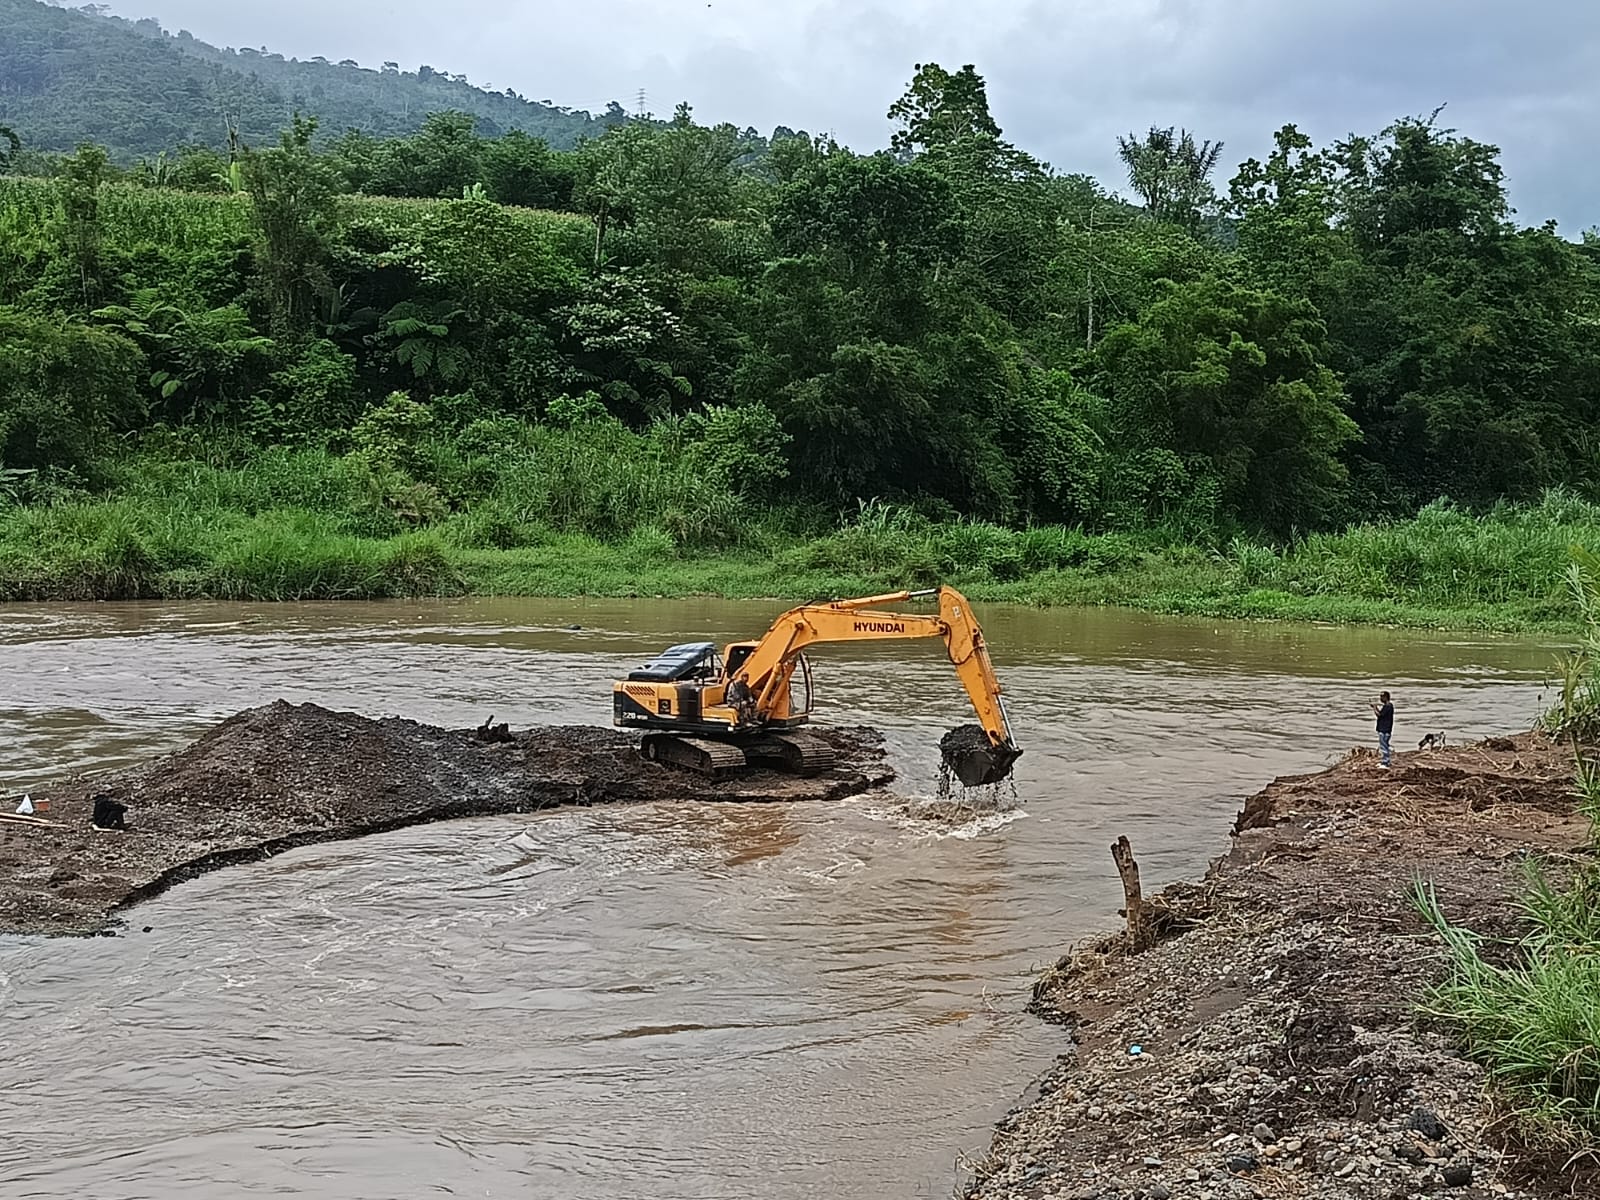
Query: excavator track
x: 796, y: 753
x: 711, y: 759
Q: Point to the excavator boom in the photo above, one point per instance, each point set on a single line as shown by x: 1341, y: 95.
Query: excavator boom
x: 768, y: 668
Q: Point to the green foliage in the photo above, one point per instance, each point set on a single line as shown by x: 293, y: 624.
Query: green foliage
x: 420, y: 335
x: 741, y: 448
x: 724, y: 341
x: 292, y: 200
x: 79, y: 230
x: 939, y: 108
x: 65, y: 388
x: 1171, y: 173
x: 314, y: 394
x: 1535, y: 1023
x: 1529, y: 1009
x: 671, y: 183
x: 391, y: 434
x: 202, y: 363
x: 1232, y: 381
x: 1576, y: 714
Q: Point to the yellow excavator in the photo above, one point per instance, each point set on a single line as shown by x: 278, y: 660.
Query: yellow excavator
x: 713, y: 713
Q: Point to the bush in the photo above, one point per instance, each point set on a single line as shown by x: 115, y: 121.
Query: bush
x: 314, y: 394
x: 65, y: 388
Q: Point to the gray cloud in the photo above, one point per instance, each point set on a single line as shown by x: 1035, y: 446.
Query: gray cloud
x: 1065, y: 76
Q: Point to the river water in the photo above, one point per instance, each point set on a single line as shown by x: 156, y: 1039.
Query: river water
x: 711, y: 1001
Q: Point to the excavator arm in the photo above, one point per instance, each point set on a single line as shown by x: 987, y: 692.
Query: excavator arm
x: 766, y: 671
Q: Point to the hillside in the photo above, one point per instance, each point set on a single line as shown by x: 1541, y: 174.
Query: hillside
x: 69, y: 76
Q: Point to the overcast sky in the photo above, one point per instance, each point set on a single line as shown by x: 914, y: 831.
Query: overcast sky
x: 1065, y: 76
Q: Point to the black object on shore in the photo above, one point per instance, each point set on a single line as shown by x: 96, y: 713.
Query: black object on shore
x: 108, y: 814
x: 490, y: 732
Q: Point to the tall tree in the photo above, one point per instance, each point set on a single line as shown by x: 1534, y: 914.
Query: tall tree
x: 1171, y: 173
x: 79, y: 188
x: 294, y: 203
x: 938, y: 108
x: 1233, y: 380
x: 672, y: 181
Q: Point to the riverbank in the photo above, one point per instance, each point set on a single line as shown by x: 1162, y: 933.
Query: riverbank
x: 281, y: 776
x: 1279, y: 1048
x: 249, y: 534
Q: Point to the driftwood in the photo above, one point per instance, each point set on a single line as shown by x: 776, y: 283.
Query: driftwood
x: 23, y: 819
x: 1141, y: 930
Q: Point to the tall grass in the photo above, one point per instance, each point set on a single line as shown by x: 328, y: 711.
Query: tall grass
x: 1533, y: 1021
x: 132, y: 217
x: 186, y: 221
x: 1576, y: 714
x: 508, y: 506
x: 1444, y: 555
x: 1530, y: 1010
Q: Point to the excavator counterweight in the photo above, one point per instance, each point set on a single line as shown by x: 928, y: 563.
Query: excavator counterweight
x: 714, y: 711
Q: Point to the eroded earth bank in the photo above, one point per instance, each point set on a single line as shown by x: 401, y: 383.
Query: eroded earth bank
x: 1280, y: 1048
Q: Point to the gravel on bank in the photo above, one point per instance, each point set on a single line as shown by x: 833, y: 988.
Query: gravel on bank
x: 1271, y: 1045
x: 284, y: 775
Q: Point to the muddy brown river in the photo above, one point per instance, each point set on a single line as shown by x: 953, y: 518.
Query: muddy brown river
x: 678, y: 1002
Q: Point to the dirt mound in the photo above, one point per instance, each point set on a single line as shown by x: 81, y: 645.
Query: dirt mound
x: 285, y: 775
x: 1279, y: 1049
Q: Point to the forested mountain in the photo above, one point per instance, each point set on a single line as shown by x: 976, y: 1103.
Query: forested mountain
x: 81, y: 75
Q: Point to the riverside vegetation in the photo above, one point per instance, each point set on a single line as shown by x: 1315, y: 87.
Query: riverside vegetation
x: 687, y: 359
x: 1528, y: 1005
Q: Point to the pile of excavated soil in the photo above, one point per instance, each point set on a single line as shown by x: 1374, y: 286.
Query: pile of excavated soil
x: 1280, y: 1049
x: 284, y: 775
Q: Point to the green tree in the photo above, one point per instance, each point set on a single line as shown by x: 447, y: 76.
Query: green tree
x: 440, y: 160
x: 522, y: 170
x: 294, y: 203
x: 1284, y: 212
x: 670, y: 182
x: 1233, y: 381
x: 203, y: 364
x: 418, y: 333
x: 1005, y: 221
x: 78, y: 187
x: 939, y: 108
x: 10, y: 148
x: 1463, y: 340
x: 883, y: 228
x: 624, y: 344
x: 1171, y: 173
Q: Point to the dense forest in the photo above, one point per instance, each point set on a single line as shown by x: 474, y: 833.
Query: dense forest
x: 71, y: 75
x: 709, y: 340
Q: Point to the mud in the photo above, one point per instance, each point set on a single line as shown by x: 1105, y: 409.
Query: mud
x: 1272, y: 1044
x: 286, y: 775
x: 967, y: 757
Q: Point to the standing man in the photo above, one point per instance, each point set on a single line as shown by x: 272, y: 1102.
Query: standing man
x: 1384, y: 711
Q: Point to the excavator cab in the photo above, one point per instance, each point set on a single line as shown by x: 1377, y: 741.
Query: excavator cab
x: 691, y: 660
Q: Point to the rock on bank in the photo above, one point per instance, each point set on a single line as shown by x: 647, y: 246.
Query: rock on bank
x: 1281, y: 1053
x: 287, y: 775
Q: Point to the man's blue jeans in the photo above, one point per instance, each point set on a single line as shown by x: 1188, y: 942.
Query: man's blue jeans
x: 1383, y: 747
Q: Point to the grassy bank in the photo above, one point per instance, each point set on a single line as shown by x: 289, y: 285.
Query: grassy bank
x: 292, y: 525
x: 1528, y: 1005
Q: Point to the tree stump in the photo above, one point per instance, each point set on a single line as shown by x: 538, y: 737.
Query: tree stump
x: 1141, y: 932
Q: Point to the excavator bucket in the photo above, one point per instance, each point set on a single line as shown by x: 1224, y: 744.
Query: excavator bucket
x: 972, y: 758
